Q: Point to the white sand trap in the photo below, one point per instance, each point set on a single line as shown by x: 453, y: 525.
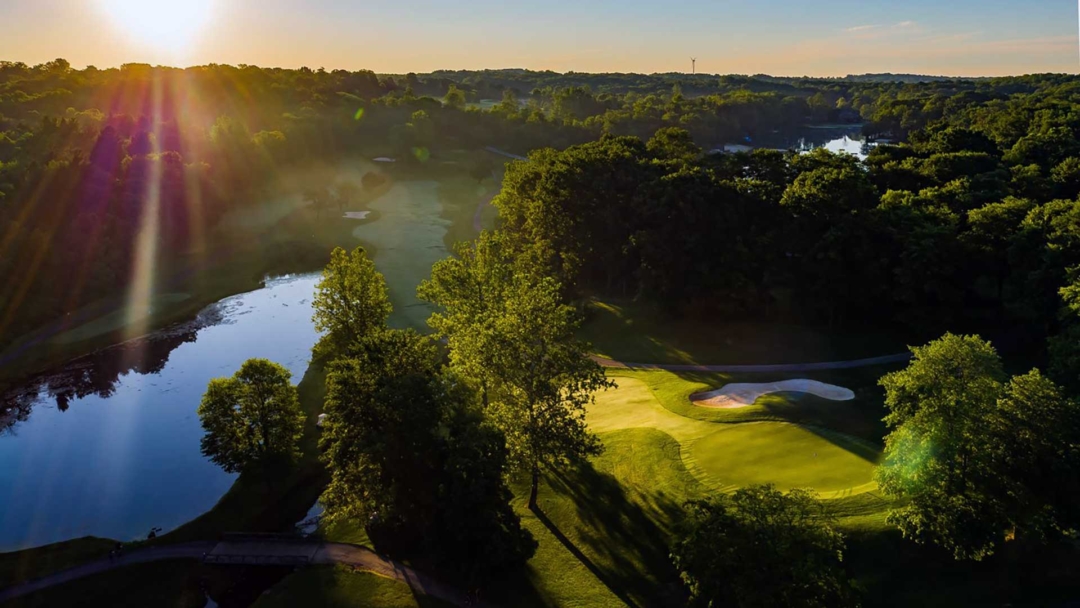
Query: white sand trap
x: 356, y: 215
x: 745, y: 394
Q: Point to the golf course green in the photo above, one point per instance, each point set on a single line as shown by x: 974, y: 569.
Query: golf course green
x: 726, y: 456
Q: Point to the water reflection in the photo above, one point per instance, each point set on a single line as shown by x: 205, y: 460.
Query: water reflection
x: 108, y: 445
x: 97, y: 374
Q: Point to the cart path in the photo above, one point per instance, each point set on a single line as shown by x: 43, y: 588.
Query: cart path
x: 783, y: 367
x: 253, y: 552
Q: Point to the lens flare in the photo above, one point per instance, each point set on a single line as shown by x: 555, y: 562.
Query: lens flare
x: 170, y: 26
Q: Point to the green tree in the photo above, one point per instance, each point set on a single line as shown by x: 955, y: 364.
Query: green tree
x: 1037, y: 440
x: 455, y: 97
x: 508, y: 105
x: 468, y: 289
x: 253, y: 418
x: 350, y: 301
x: 939, y: 409
x: 673, y: 143
x: 412, y: 460
x: 1065, y: 345
x: 973, y: 458
x: 761, y: 547
x: 511, y: 334
x: 991, y: 229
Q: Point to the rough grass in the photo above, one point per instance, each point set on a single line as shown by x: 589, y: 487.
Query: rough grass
x: 29, y: 564
x: 169, y: 584
x: 638, y: 333
x: 340, y: 586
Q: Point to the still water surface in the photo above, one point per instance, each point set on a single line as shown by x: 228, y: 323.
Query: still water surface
x: 108, y: 445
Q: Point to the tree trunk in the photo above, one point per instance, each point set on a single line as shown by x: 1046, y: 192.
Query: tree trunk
x: 535, y: 486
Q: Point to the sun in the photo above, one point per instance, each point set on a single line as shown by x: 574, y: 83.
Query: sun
x: 165, y: 25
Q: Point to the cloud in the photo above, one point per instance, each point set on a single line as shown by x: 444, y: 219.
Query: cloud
x: 906, y: 24
x: 862, y: 28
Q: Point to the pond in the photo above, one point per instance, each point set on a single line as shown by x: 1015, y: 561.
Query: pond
x: 839, y: 138
x: 108, y: 445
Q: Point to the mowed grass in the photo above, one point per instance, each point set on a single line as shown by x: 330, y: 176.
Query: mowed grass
x: 785, y: 455
x: 638, y: 333
x: 726, y: 456
x: 860, y: 417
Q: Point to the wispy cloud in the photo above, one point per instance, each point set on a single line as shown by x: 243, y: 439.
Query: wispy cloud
x: 906, y: 24
x: 862, y: 28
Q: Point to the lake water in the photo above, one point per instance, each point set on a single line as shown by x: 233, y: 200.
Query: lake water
x: 847, y: 139
x: 108, y: 445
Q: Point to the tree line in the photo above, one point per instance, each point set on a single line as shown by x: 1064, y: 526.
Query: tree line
x: 89, y: 158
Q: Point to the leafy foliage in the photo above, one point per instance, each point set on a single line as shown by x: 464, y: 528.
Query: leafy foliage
x: 253, y: 418
x: 761, y: 547
x: 350, y: 301
x: 411, y: 458
x: 512, y: 335
x: 975, y: 458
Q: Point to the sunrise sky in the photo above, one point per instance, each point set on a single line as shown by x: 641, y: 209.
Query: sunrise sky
x: 782, y: 37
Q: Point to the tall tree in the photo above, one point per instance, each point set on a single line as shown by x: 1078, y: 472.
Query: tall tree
x: 252, y: 418
x: 761, y: 547
x: 350, y: 301
x: 1037, y: 440
x: 455, y: 97
x: 510, y: 332
x: 412, y: 460
x: 1065, y: 345
x: 973, y: 458
x: 938, y: 410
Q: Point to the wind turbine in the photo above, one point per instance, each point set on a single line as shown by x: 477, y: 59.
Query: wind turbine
x: 693, y: 65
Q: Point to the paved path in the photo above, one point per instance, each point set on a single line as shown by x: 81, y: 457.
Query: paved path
x: 785, y: 367
x: 499, y: 152
x: 254, y: 552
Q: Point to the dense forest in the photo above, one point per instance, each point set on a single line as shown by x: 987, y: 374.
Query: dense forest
x: 90, y: 159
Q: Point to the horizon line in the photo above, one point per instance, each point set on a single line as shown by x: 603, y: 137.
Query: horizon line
x: 543, y: 70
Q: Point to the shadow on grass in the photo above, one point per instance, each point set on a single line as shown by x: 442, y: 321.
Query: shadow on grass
x: 646, y: 333
x: 1019, y: 573
x: 622, y: 542
x: 581, y: 557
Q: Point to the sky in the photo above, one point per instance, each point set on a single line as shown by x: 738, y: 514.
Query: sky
x: 780, y: 37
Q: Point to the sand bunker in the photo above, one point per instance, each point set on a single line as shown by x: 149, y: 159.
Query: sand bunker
x: 356, y: 215
x: 745, y: 394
